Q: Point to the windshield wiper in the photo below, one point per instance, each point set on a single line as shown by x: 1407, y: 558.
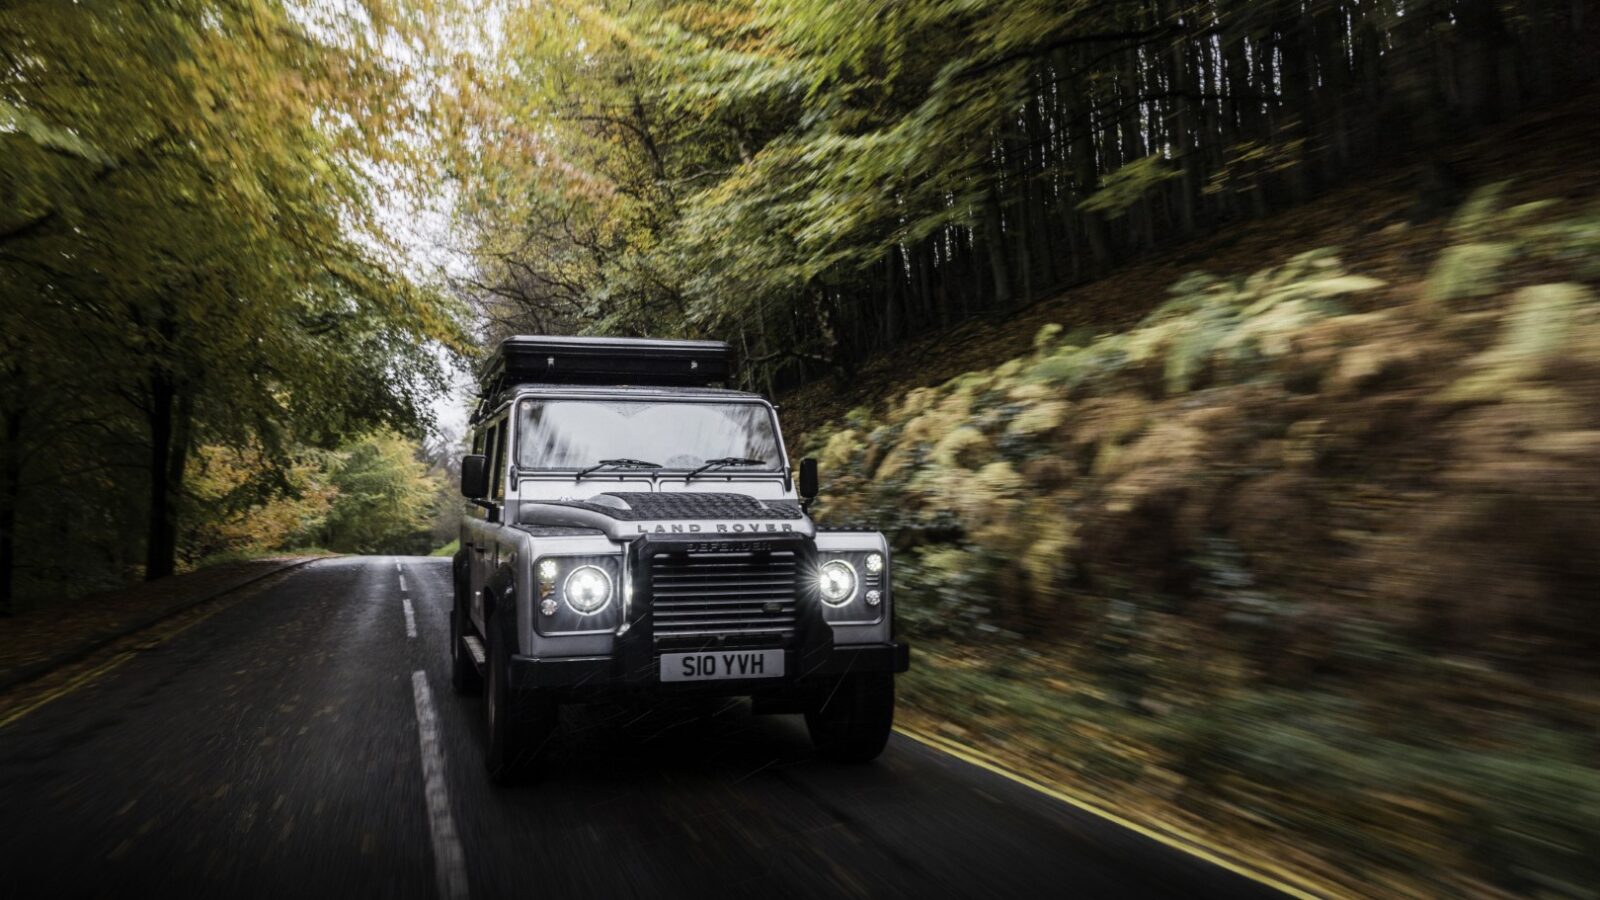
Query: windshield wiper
x: 724, y: 461
x: 623, y: 463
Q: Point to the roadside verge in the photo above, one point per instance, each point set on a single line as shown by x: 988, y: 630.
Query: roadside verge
x: 45, y: 640
x: 1262, y: 871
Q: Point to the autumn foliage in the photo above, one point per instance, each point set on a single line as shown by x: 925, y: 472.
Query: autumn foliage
x: 196, y: 269
x: 1301, y: 546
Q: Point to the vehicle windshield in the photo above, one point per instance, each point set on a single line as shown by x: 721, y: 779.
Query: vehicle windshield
x: 576, y: 434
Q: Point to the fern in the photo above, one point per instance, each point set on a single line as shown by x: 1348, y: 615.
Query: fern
x: 1468, y: 270
x: 1541, y: 319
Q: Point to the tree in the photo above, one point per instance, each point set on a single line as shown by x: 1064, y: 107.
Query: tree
x: 192, y: 244
x: 386, y: 497
x: 814, y: 180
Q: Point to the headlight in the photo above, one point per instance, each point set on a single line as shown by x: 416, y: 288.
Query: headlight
x: 837, y: 582
x: 587, y: 590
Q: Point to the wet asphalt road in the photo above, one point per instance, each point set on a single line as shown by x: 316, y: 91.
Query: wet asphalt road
x: 273, y: 751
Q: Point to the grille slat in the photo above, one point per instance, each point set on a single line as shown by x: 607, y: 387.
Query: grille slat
x: 703, y: 582
x: 724, y: 594
x: 755, y: 594
x: 717, y: 632
x: 756, y: 620
x: 752, y: 605
x: 741, y: 571
x: 703, y: 615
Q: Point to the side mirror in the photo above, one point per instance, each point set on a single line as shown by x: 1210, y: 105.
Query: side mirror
x: 475, y: 476
x: 808, y: 479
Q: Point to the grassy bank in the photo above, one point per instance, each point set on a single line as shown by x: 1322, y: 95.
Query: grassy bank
x: 1326, y: 783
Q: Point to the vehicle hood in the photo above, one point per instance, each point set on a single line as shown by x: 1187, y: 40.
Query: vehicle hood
x: 624, y: 515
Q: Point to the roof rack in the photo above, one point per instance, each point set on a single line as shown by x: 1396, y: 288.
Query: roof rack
x: 653, y: 362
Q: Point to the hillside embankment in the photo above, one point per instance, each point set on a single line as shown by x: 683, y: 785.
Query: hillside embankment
x: 1303, y: 554
x: 1390, y: 224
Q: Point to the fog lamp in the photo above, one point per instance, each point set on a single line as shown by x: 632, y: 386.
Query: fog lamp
x: 547, y: 578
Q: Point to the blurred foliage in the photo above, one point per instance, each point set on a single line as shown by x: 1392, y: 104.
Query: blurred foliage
x: 1435, y: 813
x: 1121, y: 189
x: 1490, y: 238
x: 247, y: 505
x: 816, y: 180
x: 385, y: 498
x: 1294, y: 555
x: 374, y: 494
x: 195, y: 204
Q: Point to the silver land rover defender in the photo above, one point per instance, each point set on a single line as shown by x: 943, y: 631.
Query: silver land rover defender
x: 637, y: 531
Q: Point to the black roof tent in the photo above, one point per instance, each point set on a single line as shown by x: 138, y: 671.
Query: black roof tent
x: 651, y: 362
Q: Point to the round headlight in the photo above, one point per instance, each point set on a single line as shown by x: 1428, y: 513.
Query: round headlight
x: 874, y: 563
x: 587, y: 590
x: 837, y: 582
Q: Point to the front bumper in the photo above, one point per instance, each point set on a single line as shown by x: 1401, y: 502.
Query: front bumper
x: 586, y: 677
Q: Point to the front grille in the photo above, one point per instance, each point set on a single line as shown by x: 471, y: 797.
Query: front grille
x: 741, y: 595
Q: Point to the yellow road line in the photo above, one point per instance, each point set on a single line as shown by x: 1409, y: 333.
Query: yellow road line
x: 151, y: 637
x: 73, y: 683
x: 1275, y: 877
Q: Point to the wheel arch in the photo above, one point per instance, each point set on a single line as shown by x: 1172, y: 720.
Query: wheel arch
x: 500, y: 594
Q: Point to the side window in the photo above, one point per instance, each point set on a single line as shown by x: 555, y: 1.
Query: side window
x: 497, y: 488
x: 477, y: 441
x: 491, y: 452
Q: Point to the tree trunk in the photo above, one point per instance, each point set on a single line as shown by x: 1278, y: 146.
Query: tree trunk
x: 1241, y: 121
x: 1300, y: 116
x: 1041, y: 243
x: 925, y: 299
x: 994, y: 241
x: 1481, y: 71
x: 892, y: 297
x: 1086, y: 180
x: 1267, y: 114
x: 170, y: 416
x: 160, y: 535
x: 1181, y: 84
x: 1211, y: 88
x: 1140, y: 217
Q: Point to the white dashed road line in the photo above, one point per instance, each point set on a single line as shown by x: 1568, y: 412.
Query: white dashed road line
x: 449, y: 859
x: 402, y: 582
x: 411, y: 618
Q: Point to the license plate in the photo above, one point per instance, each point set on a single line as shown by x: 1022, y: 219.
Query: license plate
x: 718, y: 665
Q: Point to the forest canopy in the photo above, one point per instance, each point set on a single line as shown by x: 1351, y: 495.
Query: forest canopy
x: 818, y: 180
x: 198, y: 199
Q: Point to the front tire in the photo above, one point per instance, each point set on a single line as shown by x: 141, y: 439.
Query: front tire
x: 520, y: 723
x: 854, y: 720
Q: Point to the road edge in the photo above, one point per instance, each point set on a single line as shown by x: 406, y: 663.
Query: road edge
x: 1285, y: 881
x: 65, y: 658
